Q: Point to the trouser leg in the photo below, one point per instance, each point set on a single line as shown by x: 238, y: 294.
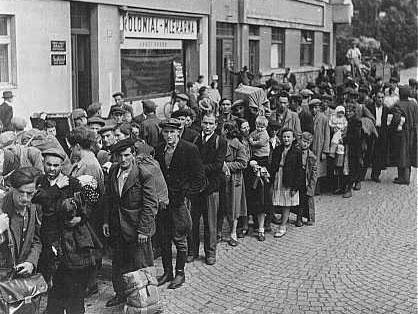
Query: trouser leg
x: 166, y: 254
x: 118, y: 257
x: 210, y: 219
x: 193, y: 240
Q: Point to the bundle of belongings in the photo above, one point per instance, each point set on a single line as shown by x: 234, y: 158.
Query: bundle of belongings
x: 141, y: 292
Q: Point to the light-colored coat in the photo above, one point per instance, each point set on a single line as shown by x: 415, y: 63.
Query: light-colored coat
x: 236, y: 160
x: 321, y: 141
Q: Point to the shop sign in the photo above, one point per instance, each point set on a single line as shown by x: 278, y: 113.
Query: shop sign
x: 148, y: 26
x: 58, y: 45
x: 58, y: 59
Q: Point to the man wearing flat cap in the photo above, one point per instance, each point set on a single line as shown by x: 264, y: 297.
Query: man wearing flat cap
x: 118, y: 97
x: 95, y: 124
x: 149, y: 130
x: 79, y: 117
x: 186, y: 133
x: 69, y: 277
x: 130, y: 207
x: 321, y: 140
x: 6, y: 110
x: 182, y: 168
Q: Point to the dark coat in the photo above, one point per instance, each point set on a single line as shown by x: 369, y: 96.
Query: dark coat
x: 379, y: 149
x: 150, y: 131
x: 6, y: 115
x: 184, y: 177
x: 293, y: 174
x: 405, y: 141
x: 134, y: 210
x: 306, y: 120
x: 189, y: 135
x: 31, y: 246
x: 213, y: 156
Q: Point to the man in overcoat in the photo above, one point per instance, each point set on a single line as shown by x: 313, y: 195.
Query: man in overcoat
x: 6, y: 111
x: 405, y: 139
x: 379, y: 148
x: 130, y: 207
x: 182, y: 168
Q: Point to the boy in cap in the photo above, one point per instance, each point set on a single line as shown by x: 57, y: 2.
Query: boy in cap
x: 306, y: 206
x: 184, y: 178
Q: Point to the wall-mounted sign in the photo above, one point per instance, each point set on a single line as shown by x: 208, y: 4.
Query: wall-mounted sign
x: 58, y: 59
x: 147, y: 26
x: 154, y: 44
x: 58, y: 45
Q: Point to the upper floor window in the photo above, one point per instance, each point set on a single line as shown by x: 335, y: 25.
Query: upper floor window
x: 277, y: 48
x: 326, y: 45
x: 5, y: 49
x: 307, y: 48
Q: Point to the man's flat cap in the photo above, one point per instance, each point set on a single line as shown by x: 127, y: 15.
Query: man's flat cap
x: 315, y: 102
x: 238, y: 102
x: 109, y: 126
x: 54, y: 152
x: 182, y: 113
x: 170, y: 123
x: 182, y: 96
x: 96, y: 120
x: 118, y: 94
x: 79, y: 113
x: 306, y: 92
x: 122, y: 145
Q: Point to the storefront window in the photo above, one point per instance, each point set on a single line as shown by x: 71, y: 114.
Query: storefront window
x: 148, y: 72
x: 307, y: 48
x: 277, y: 48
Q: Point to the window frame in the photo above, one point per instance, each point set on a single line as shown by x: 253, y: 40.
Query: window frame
x: 6, y: 40
x: 310, y: 45
x: 281, y: 47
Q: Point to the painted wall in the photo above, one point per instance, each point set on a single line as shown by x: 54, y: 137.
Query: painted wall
x: 39, y: 86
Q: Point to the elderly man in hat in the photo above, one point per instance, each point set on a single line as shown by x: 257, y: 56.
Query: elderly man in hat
x: 79, y: 117
x: 321, y: 138
x: 6, y: 110
x: 118, y: 97
x: 288, y: 118
x: 95, y: 123
x: 404, y: 139
x: 130, y: 207
x: 149, y: 130
x: 117, y: 113
x: 182, y: 168
x: 185, y: 116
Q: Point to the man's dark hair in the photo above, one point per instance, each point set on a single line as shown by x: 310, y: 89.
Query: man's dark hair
x: 50, y: 124
x: 23, y: 176
x: 210, y: 114
x: 82, y: 136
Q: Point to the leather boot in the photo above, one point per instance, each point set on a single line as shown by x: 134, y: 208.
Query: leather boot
x: 168, y: 269
x: 180, y: 276
x: 299, y: 222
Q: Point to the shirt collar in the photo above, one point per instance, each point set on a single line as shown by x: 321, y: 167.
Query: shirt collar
x: 54, y: 181
x: 171, y: 146
x: 123, y: 171
x: 207, y: 137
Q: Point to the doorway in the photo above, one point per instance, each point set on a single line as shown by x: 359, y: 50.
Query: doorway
x: 224, y: 62
x: 81, y: 70
x: 254, y: 57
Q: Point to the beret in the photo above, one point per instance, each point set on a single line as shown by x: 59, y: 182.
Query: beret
x: 7, y: 138
x: 122, y: 145
x: 117, y: 94
x: 170, y: 123
x: 238, y: 102
x: 96, y: 120
x: 182, y: 96
x: 315, y: 102
x: 307, y: 136
x: 306, y: 92
x: 148, y: 104
x: 54, y: 152
x: 181, y: 113
x: 79, y: 113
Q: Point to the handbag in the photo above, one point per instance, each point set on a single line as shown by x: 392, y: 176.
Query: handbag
x: 21, y: 295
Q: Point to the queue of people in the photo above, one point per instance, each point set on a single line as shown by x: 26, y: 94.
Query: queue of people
x: 130, y: 184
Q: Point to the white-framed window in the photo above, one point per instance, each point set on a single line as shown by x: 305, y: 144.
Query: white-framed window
x: 5, y: 50
x: 277, y: 48
x: 307, y: 48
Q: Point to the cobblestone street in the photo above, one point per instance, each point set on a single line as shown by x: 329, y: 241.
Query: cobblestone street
x: 360, y: 257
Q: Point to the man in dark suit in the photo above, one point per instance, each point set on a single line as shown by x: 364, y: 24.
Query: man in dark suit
x: 379, y: 147
x: 212, y: 149
x: 130, y: 208
x: 6, y: 111
x: 149, y: 130
x: 183, y: 171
